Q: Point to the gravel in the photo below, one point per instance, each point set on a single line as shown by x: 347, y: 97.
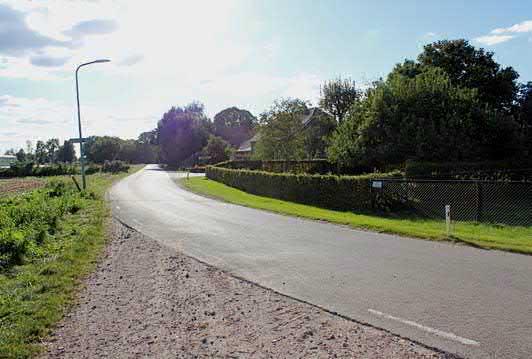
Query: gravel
x: 147, y: 301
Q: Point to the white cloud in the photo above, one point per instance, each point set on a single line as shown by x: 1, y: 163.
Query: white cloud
x: 504, y: 34
x: 525, y: 26
x: 493, y: 39
x: 176, y: 52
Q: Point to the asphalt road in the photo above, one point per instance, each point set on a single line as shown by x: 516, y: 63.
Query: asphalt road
x: 463, y: 300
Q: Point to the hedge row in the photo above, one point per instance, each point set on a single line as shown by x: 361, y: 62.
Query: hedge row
x: 485, y: 171
x: 320, y: 166
x: 27, y: 169
x: 327, y: 191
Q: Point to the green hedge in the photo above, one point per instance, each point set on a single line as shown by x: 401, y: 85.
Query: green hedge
x: 511, y: 170
x: 327, y: 191
x: 24, y: 169
x: 320, y: 166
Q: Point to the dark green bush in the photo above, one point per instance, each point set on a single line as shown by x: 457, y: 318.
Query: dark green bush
x: 327, y: 191
x: 114, y: 167
x: 25, y: 169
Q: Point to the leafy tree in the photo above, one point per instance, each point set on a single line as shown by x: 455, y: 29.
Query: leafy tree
x: 100, y: 149
x: 21, y: 155
x: 41, y: 153
x: 425, y: 118
x: 473, y: 68
x: 52, y: 145
x: 524, y: 114
x: 234, y: 125
x: 149, y: 137
x: 66, y: 152
x: 183, y: 131
x: 337, y: 96
x: 217, y: 150
x: 316, y: 134
x: 280, y: 131
x: 10, y: 152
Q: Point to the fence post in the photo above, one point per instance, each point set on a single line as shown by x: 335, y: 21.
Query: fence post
x: 448, y: 219
x: 479, y: 202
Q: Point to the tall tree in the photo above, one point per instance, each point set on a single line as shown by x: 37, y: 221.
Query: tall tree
x: 183, y: 131
x: 52, y: 145
x: 280, y: 131
x: 337, y: 96
x: 66, y: 153
x: 21, y: 155
x: 41, y: 153
x: 217, y: 150
x: 473, y: 68
x: 423, y: 118
x: 100, y: 149
x: 234, y: 125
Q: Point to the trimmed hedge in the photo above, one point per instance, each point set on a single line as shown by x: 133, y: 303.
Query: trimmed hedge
x: 320, y: 166
x: 485, y: 171
x: 24, y: 169
x: 327, y: 191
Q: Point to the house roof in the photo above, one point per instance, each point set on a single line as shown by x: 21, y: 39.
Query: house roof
x: 306, y: 120
x: 246, y: 145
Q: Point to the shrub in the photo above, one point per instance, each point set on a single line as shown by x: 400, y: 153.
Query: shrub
x: 327, y: 191
x: 28, y: 221
x: 25, y: 169
x: 114, y: 167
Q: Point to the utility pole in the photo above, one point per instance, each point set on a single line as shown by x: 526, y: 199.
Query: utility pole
x: 81, y: 139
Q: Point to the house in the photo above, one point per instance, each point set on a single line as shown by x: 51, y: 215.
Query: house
x: 308, y: 119
x: 246, y: 149
x: 7, y: 160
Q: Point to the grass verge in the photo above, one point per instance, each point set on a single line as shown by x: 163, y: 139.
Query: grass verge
x: 35, y: 295
x: 508, y: 238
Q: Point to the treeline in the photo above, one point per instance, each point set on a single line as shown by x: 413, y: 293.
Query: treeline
x: 45, y: 152
x: 454, y: 103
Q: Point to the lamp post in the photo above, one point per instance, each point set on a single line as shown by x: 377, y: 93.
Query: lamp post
x: 82, y: 159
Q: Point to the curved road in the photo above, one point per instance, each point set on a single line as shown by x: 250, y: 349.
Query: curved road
x: 463, y: 300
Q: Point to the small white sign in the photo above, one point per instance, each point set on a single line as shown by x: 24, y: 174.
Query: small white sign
x: 376, y: 184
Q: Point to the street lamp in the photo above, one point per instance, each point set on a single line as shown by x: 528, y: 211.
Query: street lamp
x: 82, y: 159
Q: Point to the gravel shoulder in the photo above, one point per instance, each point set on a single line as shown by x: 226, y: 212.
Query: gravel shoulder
x: 145, y: 300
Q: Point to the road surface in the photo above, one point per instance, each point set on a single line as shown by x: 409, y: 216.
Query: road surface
x: 467, y: 301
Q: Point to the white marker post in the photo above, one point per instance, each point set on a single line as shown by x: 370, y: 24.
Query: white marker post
x: 448, y: 219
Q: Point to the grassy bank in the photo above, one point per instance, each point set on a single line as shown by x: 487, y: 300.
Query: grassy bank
x: 37, y: 286
x: 515, y: 239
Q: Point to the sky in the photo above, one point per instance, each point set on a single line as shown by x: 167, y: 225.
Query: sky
x: 242, y: 53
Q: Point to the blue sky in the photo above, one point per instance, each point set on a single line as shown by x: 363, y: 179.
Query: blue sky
x: 223, y: 53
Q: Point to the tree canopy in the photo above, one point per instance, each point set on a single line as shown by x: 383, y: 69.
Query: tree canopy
x: 337, y: 96
x: 426, y: 117
x: 468, y: 67
x: 234, y: 125
x: 183, y: 131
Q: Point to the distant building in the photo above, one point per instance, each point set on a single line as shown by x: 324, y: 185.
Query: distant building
x: 7, y: 160
x: 247, y: 148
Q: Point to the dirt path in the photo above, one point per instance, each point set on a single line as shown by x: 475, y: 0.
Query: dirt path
x: 146, y: 301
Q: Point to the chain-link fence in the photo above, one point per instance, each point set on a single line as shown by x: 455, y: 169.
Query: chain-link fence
x: 478, y: 201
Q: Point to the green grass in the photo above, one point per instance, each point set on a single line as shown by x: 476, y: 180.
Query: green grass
x: 35, y: 295
x: 508, y: 238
